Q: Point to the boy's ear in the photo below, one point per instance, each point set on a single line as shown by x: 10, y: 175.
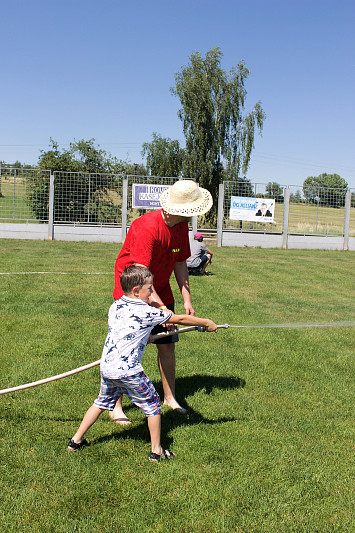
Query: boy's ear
x: 135, y: 291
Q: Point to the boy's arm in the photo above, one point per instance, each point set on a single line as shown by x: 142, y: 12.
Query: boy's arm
x: 189, y: 320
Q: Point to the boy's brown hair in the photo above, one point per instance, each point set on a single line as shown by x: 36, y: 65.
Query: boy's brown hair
x: 134, y: 276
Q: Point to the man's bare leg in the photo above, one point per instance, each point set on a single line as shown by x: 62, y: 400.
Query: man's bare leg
x: 118, y: 416
x: 166, y: 363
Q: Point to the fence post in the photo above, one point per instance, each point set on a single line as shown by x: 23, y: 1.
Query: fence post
x: 285, y: 217
x: 51, y: 208
x: 124, y: 206
x: 89, y: 198
x: 14, y: 197
x: 220, y: 214
x: 347, y: 220
x: 194, y: 225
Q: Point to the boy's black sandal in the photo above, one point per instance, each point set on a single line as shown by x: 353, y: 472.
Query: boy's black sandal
x: 156, y: 458
x: 74, y: 446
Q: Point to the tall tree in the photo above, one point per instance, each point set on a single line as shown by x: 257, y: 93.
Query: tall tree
x: 219, y: 136
x: 164, y: 156
x: 325, y: 189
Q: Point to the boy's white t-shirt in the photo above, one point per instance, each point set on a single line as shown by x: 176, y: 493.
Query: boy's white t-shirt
x: 130, y: 321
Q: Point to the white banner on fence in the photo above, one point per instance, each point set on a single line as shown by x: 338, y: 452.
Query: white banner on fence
x: 252, y: 209
x: 147, y: 196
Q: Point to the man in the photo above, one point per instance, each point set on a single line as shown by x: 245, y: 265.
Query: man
x: 263, y: 211
x: 200, y: 256
x: 159, y: 240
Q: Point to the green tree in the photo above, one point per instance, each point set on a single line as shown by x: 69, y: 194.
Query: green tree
x: 81, y: 156
x: 219, y: 136
x: 83, y: 186
x: 296, y: 197
x: 240, y: 187
x: 164, y: 156
x: 325, y: 189
x: 135, y: 169
x: 274, y: 190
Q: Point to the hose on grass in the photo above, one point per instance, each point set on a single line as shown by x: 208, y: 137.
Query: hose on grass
x: 174, y: 332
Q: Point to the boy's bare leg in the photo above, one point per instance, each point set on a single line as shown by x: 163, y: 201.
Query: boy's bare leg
x: 154, y: 430
x: 166, y: 363
x: 90, y: 417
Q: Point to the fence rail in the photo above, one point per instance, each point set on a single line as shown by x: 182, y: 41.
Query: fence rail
x: 88, y: 199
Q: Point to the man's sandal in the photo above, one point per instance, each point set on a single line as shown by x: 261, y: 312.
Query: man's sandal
x: 124, y: 421
x: 74, y: 446
x: 165, y: 454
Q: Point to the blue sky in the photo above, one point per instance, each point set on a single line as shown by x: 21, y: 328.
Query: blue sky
x: 102, y: 69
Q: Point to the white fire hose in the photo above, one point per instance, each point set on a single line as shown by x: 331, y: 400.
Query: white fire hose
x: 168, y: 334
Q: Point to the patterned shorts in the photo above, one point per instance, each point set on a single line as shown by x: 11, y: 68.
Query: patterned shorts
x: 139, y: 389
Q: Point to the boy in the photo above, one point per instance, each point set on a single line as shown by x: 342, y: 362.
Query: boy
x: 130, y: 321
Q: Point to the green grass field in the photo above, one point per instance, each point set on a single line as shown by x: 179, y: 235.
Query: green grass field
x: 13, y: 201
x: 268, y: 442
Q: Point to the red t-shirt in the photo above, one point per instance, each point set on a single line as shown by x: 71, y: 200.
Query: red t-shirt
x: 151, y: 242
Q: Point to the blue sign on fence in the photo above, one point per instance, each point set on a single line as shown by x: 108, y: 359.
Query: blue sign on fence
x: 252, y: 209
x: 147, y: 196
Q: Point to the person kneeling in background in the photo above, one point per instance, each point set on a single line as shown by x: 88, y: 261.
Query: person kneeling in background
x: 200, y: 256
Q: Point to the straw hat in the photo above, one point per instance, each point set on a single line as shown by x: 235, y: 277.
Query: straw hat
x: 186, y: 198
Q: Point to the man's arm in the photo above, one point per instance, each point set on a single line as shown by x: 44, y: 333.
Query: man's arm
x: 182, y: 277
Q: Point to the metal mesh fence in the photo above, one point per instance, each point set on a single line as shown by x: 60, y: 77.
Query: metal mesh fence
x: 352, y: 214
x: 311, y: 211
x: 83, y: 198
x: 245, y: 189
x: 96, y: 199
x: 133, y: 213
x: 20, y: 191
x: 316, y: 210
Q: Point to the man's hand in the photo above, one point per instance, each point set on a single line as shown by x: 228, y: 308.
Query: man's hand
x: 182, y: 278
x: 189, y: 310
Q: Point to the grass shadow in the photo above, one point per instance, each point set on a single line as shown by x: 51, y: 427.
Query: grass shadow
x: 187, y: 386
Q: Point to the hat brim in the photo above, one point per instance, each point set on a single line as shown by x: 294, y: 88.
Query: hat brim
x: 199, y: 207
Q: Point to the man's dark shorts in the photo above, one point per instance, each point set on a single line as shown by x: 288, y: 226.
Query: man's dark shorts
x: 160, y: 329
